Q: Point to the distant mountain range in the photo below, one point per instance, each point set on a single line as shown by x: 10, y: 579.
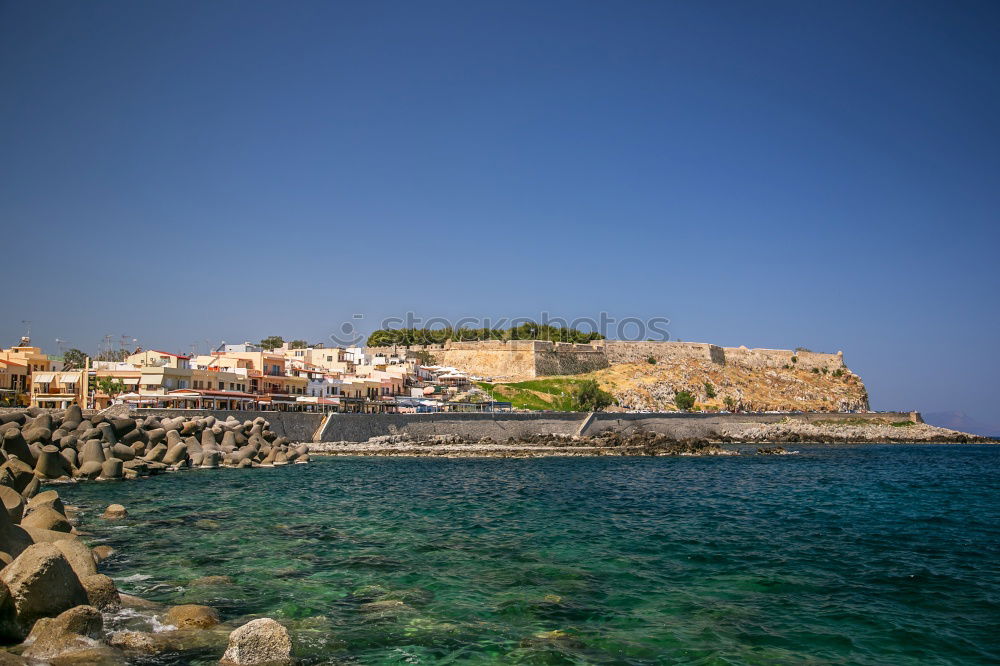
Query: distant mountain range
x: 962, y: 421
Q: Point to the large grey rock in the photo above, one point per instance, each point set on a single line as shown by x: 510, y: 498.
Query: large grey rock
x: 69, y: 454
x: 192, y: 616
x: 78, y: 555
x: 122, y: 426
x: 74, y: 630
x: 157, y: 453
x: 16, y: 474
x: 49, y: 498
x: 46, y: 518
x: 115, y: 512
x: 108, y: 433
x: 122, y: 452
x: 90, y: 469
x: 73, y: 414
x: 37, y: 435
x: 40, y: 583
x: 176, y: 454
x: 32, y: 488
x: 13, y: 503
x: 13, y: 538
x: 131, y: 437
x: 112, y: 468
x: 261, y: 641
x: 212, y: 459
x: 101, y: 592
x: 14, y: 444
x: 173, y: 439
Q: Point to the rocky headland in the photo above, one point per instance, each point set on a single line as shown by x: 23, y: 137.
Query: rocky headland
x: 55, y: 605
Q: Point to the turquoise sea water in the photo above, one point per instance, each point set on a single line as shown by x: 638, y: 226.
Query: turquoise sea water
x: 860, y: 554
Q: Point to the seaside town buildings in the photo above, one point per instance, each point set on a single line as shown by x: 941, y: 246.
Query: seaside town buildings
x: 235, y: 377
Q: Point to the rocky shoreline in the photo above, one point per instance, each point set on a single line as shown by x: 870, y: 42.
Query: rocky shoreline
x: 55, y: 605
x: 699, y: 441
x: 538, y: 446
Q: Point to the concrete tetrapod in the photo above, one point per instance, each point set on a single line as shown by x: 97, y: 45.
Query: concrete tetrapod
x: 90, y: 469
x: 49, y: 465
x: 93, y: 451
x: 212, y: 459
x: 113, y: 468
x: 14, y: 444
x: 178, y: 453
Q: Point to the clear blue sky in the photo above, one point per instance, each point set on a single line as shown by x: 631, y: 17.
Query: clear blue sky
x: 763, y: 173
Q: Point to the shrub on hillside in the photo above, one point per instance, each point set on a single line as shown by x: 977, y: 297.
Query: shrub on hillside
x: 591, y: 398
x: 684, y: 400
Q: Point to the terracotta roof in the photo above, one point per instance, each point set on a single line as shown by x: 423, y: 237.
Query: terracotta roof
x: 157, y: 351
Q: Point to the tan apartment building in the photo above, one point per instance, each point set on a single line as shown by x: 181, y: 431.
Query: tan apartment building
x: 58, y: 390
x: 14, y: 383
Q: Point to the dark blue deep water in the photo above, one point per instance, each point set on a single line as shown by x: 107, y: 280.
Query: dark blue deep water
x: 859, y: 554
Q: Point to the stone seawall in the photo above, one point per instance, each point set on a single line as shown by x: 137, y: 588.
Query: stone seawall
x: 361, y: 427
x: 501, y: 426
x: 305, y: 427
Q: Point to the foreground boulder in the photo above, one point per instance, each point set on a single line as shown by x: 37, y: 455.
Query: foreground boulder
x: 13, y: 503
x: 114, y: 512
x: 74, y: 630
x: 47, y: 518
x: 192, y: 616
x: 79, y: 557
x: 49, y: 498
x: 40, y: 583
x: 262, y: 641
x: 101, y: 592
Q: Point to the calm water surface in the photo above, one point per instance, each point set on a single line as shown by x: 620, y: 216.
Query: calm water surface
x: 861, y: 555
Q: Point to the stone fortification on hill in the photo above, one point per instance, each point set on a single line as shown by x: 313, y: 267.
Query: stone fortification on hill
x: 524, y: 359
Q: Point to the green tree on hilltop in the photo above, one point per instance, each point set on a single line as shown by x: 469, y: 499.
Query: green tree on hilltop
x: 272, y: 342
x: 297, y: 344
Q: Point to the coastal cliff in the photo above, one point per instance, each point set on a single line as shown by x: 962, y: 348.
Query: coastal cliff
x: 654, y: 387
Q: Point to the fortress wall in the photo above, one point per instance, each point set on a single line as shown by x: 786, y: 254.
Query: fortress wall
x: 531, y: 358
x: 777, y: 358
x: 497, y: 363
x: 623, y: 351
x: 570, y: 361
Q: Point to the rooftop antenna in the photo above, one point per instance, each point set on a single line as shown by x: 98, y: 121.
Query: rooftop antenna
x: 62, y: 345
x: 106, y: 347
x: 27, y: 336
